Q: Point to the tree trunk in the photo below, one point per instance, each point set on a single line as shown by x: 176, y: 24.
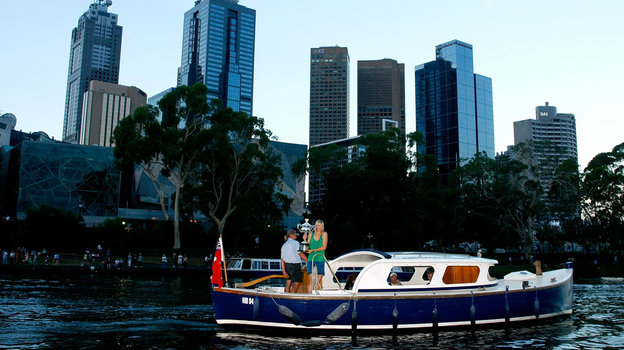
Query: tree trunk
x: 176, y: 218
x: 528, y: 238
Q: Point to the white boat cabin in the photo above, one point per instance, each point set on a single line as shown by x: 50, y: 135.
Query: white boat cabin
x: 414, y: 270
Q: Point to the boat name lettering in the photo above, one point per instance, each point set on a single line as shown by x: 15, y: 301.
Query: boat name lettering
x: 247, y: 301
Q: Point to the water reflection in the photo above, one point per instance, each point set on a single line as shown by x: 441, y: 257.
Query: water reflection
x: 110, y: 312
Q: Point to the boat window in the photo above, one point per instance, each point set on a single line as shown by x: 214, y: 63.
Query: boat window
x: 246, y: 264
x: 404, y: 274
x: 265, y: 265
x: 427, y: 276
x: 255, y: 265
x: 489, y: 275
x: 275, y: 265
x: 460, y: 274
x: 412, y: 275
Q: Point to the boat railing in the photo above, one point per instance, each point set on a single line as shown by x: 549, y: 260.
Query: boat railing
x: 315, y: 281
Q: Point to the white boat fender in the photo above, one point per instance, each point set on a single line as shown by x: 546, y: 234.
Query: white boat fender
x: 395, y: 316
x: 337, y: 313
x: 289, y: 314
x: 536, y: 305
x: 312, y: 323
x: 435, y: 315
x: 473, y: 312
x: 256, y: 308
x: 507, y: 319
x: 395, y: 319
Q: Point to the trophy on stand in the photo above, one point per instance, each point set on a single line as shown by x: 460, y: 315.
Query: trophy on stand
x: 305, y: 228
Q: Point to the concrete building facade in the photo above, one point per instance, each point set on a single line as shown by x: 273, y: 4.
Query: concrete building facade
x: 104, y: 105
x: 329, y: 94
x: 553, y: 137
x: 381, y: 96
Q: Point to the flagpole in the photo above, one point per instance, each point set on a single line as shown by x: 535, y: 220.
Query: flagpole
x: 223, y: 258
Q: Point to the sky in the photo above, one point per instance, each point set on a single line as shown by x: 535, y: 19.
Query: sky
x: 566, y: 52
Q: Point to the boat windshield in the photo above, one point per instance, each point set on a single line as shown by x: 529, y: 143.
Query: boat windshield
x: 233, y: 263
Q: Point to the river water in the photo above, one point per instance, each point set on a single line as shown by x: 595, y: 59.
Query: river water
x: 115, y: 312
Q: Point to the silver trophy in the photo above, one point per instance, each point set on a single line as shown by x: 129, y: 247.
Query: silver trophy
x: 305, y: 228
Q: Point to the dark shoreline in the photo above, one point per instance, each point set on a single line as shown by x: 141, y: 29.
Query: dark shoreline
x: 146, y: 269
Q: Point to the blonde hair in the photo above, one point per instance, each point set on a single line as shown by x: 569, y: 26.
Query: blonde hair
x: 319, y: 221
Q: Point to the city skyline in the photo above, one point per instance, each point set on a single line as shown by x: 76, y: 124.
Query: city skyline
x: 534, y: 52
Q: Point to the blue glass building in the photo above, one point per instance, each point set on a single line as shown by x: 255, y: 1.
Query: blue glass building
x: 454, y: 109
x: 218, y: 50
x: 95, y: 54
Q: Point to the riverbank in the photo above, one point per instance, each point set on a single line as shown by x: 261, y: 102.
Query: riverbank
x: 585, y: 267
x: 144, y: 269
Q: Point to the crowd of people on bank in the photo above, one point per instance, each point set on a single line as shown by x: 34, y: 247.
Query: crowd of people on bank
x: 95, y: 259
x: 103, y: 259
x: 23, y: 256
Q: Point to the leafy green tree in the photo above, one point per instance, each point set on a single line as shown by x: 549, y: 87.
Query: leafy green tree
x: 170, y: 147
x: 238, y: 174
x: 498, y: 202
x: 432, y: 202
x: 371, y: 193
x: 564, y: 194
x: 603, y: 196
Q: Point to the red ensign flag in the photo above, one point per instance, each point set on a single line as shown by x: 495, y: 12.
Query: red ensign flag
x: 217, y: 277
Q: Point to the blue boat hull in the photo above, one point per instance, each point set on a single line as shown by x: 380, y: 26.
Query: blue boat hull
x: 375, y: 311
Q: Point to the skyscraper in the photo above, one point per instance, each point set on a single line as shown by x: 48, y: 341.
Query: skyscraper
x: 218, y: 50
x: 104, y: 105
x: 94, y: 55
x: 554, y: 138
x: 454, y: 109
x: 381, y: 96
x: 329, y: 94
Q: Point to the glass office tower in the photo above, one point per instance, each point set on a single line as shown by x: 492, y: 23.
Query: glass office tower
x: 454, y: 109
x: 329, y: 94
x: 94, y: 54
x: 218, y: 50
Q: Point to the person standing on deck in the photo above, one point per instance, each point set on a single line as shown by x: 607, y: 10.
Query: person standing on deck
x: 316, y: 258
x: 291, y: 262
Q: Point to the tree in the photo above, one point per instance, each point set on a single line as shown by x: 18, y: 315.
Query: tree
x: 564, y: 193
x: 498, y: 200
x: 169, y: 147
x: 369, y: 193
x: 603, y: 196
x: 238, y: 169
